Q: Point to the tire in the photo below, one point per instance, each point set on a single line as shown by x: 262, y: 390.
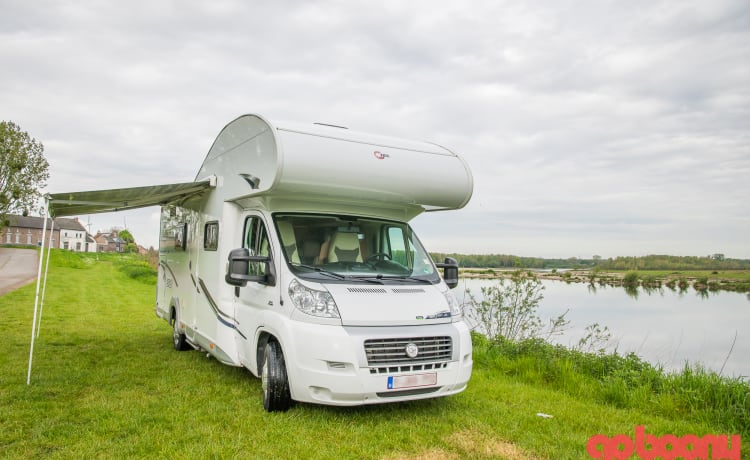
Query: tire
x: 178, y: 338
x: 276, y: 395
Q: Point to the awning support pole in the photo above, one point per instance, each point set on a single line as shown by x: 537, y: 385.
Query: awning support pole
x: 46, y: 268
x: 38, y: 282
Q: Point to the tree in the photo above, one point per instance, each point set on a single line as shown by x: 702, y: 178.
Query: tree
x: 23, y: 170
x: 126, y: 236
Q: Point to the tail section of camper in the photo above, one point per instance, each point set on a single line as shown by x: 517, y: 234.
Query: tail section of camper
x: 200, y: 320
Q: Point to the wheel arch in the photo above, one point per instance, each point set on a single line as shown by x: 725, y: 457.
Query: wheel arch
x: 174, y: 305
x: 263, y: 338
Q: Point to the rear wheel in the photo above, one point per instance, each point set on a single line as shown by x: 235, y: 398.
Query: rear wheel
x: 178, y: 337
x: 276, y: 395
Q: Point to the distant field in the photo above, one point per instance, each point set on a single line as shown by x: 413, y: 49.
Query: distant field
x: 741, y: 275
x: 729, y: 280
x: 737, y: 275
x: 107, y: 383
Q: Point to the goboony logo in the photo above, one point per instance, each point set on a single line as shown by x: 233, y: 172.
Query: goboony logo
x: 666, y: 447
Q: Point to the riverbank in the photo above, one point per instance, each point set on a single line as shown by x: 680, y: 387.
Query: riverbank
x: 676, y: 280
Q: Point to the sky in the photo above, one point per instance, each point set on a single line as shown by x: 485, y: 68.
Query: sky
x: 591, y: 127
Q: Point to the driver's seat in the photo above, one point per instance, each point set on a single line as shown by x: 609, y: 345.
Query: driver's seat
x: 344, y: 247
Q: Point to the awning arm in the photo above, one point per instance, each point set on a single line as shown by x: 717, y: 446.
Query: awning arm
x: 38, y: 282
x: 46, y: 269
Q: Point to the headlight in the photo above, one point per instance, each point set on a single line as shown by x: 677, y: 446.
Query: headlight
x: 312, y: 302
x: 453, y: 304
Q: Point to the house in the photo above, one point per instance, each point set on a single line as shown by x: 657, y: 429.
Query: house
x: 72, y: 234
x: 91, y: 245
x: 109, y: 242
x: 27, y: 230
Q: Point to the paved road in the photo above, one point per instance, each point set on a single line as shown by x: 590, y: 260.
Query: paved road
x: 17, y: 268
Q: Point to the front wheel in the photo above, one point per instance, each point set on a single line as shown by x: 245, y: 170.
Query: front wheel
x: 276, y: 395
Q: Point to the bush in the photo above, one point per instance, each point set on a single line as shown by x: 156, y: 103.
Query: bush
x: 137, y: 268
x: 508, y: 309
x: 631, y: 279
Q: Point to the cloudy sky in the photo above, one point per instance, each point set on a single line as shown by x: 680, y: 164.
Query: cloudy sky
x: 591, y: 127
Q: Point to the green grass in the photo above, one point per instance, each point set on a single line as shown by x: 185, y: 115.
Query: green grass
x: 107, y: 383
x: 624, y: 381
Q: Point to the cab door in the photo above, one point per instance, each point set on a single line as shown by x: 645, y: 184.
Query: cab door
x: 256, y: 297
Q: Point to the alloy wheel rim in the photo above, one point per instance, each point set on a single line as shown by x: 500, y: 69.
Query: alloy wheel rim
x: 264, y: 378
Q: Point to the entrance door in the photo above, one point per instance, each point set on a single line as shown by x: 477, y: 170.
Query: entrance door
x: 256, y: 297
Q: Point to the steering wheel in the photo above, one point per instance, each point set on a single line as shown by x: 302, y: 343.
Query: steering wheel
x: 378, y: 255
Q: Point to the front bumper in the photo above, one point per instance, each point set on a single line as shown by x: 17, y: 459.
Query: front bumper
x: 329, y: 365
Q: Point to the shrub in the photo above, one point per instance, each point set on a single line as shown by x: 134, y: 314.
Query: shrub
x: 683, y: 284
x: 136, y: 267
x: 509, y: 309
x: 631, y: 279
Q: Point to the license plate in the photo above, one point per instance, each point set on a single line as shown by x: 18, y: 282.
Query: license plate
x: 411, y: 381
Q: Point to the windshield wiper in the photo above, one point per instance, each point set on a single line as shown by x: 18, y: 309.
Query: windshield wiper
x: 338, y: 276
x: 369, y: 279
x: 379, y: 278
x: 406, y: 278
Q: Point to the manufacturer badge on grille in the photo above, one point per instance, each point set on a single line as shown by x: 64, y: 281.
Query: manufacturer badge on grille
x: 411, y: 350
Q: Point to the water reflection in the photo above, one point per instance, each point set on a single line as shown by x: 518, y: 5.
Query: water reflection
x: 665, y: 326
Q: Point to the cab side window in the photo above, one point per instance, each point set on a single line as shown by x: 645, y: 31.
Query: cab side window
x: 256, y: 241
x: 398, y: 247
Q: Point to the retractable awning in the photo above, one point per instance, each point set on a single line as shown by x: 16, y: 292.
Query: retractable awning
x: 96, y: 201
x: 121, y: 199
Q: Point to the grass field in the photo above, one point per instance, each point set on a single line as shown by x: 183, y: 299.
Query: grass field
x: 107, y: 383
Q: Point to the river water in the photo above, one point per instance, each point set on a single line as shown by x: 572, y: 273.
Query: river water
x: 662, y: 326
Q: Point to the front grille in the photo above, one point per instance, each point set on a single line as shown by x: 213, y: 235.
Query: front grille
x: 408, y: 368
x: 392, y: 352
x: 414, y: 392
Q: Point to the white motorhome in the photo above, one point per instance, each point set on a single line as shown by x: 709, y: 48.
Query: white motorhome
x: 291, y: 255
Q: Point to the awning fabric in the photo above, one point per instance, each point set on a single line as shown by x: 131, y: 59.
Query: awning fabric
x: 96, y: 201
x: 120, y: 199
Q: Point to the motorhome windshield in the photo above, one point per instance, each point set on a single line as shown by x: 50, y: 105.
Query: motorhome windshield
x: 342, y: 248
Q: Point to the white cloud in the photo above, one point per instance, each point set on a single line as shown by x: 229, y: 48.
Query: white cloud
x: 602, y: 127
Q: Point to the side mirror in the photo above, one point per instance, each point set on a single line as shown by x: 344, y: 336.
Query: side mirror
x: 450, y: 271
x: 239, y: 266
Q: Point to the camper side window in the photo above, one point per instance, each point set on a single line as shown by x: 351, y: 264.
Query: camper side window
x: 211, y: 236
x: 180, y: 237
x: 256, y: 241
